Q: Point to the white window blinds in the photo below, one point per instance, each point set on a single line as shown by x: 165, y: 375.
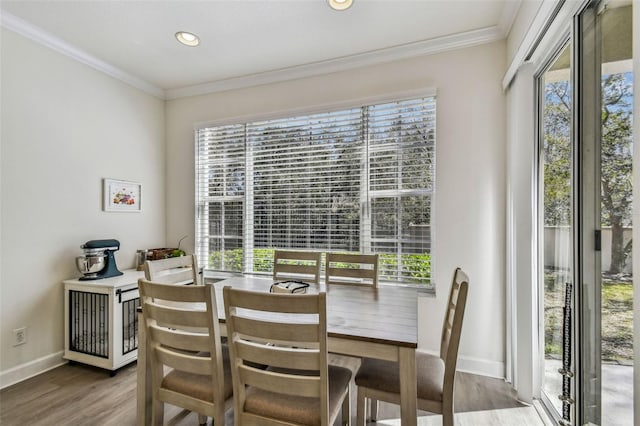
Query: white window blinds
x: 358, y: 180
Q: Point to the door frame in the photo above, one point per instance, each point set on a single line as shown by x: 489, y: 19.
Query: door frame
x: 561, y: 43
x: 587, y: 127
x: 549, y: 25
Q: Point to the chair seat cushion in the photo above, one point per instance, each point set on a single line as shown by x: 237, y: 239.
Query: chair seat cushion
x: 298, y: 409
x: 199, y: 385
x: 385, y: 376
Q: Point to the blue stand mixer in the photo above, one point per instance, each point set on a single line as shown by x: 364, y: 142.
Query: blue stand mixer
x: 98, y: 260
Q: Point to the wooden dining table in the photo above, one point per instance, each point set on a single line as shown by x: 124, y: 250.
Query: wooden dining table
x: 362, y: 321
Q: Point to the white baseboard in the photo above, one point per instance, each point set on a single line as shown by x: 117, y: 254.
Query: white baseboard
x: 40, y: 365
x: 32, y: 368
x: 478, y: 366
x: 482, y: 367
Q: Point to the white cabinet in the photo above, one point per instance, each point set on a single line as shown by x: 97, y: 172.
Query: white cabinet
x: 100, y: 320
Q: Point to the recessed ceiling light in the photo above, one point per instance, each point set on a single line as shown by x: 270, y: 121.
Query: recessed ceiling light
x: 188, y: 39
x: 340, y: 4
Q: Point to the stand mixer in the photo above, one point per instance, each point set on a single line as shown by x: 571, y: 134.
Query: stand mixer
x: 98, y: 260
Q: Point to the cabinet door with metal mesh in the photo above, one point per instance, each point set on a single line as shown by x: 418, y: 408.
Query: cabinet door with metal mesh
x: 129, y: 319
x: 89, y: 323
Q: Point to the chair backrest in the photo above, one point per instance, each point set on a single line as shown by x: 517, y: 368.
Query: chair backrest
x: 297, y: 265
x: 360, y: 269
x: 285, y: 332
x: 177, y: 332
x: 452, y: 325
x: 173, y: 270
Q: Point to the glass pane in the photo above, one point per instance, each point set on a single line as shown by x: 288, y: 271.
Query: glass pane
x: 214, y: 259
x: 214, y: 212
x: 234, y: 180
x: 306, y: 181
x: 384, y: 217
x: 357, y: 180
x: 616, y: 202
x: 388, y: 260
x: 557, y: 185
x: 233, y: 218
x: 418, y: 163
x: 383, y: 170
x: 416, y: 217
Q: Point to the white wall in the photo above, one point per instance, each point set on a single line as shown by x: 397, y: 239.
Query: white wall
x: 65, y: 126
x: 521, y: 236
x: 470, y: 200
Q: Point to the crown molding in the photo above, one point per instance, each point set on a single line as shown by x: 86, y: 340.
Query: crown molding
x: 44, y: 38
x: 405, y: 51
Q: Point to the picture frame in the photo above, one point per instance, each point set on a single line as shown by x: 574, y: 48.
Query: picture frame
x: 121, y: 196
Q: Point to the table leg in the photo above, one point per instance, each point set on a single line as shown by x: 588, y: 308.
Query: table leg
x: 143, y: 391
x: 408, y: 386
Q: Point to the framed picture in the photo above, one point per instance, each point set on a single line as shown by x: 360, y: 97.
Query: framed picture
x: 121, y: 196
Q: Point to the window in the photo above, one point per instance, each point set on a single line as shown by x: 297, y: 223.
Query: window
x: 357, y: 180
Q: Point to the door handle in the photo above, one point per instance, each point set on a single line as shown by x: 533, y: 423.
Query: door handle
x: 565, y: 373
x: 566, y: 398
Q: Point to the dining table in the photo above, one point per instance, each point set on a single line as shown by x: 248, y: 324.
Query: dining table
x: 362, y: 321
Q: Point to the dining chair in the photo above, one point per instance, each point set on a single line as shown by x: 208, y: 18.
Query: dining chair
x: 379, y: 380
x: 173, y: 270
x: 359, y: 269
x: 297, y: 265
x: 186, y: 339
x: 287, y: 333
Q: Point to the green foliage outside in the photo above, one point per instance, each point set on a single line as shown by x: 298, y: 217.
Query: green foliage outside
x: 416, y: 267
x: 617, y: 319
x: 616, y: 159
x: 616, y: 208
x: 231, y: 260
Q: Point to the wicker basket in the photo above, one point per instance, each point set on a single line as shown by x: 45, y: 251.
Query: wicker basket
x: 159, y: 253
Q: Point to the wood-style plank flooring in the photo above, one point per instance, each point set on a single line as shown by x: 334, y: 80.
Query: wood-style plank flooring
x: 83, y: 395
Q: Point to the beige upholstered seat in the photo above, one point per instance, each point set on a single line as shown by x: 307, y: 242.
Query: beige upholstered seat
x: 379, y: 380
x: 173, y: 270
x: 297, y: 265
x: 186, y: 339
x: 359, y: 269
x: 288, y: 333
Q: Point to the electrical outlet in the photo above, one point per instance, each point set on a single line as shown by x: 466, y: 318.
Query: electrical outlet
x: 19, y: 336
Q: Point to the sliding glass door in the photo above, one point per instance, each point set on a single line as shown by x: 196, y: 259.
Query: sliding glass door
x: 557, y: 233
x: 607, y: 396
x: 604, y: 114
x: 585, y: 148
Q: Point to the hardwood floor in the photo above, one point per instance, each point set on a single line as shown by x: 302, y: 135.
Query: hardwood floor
x: 83, y: 395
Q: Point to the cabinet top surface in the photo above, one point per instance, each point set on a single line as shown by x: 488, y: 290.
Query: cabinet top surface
x: 128, y: 277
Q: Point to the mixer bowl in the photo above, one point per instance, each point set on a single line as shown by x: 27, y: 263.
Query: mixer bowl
x: 90, y: 264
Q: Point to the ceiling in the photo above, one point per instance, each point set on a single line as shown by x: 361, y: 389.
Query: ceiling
x: 248, y: 42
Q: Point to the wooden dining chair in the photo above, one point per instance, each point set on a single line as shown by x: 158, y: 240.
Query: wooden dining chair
x: 359, y: 269
x: 288, y: 333
x: 297, y: 265
x: 379, y: 380
x: 187, y: 340
x: 173, y: 270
